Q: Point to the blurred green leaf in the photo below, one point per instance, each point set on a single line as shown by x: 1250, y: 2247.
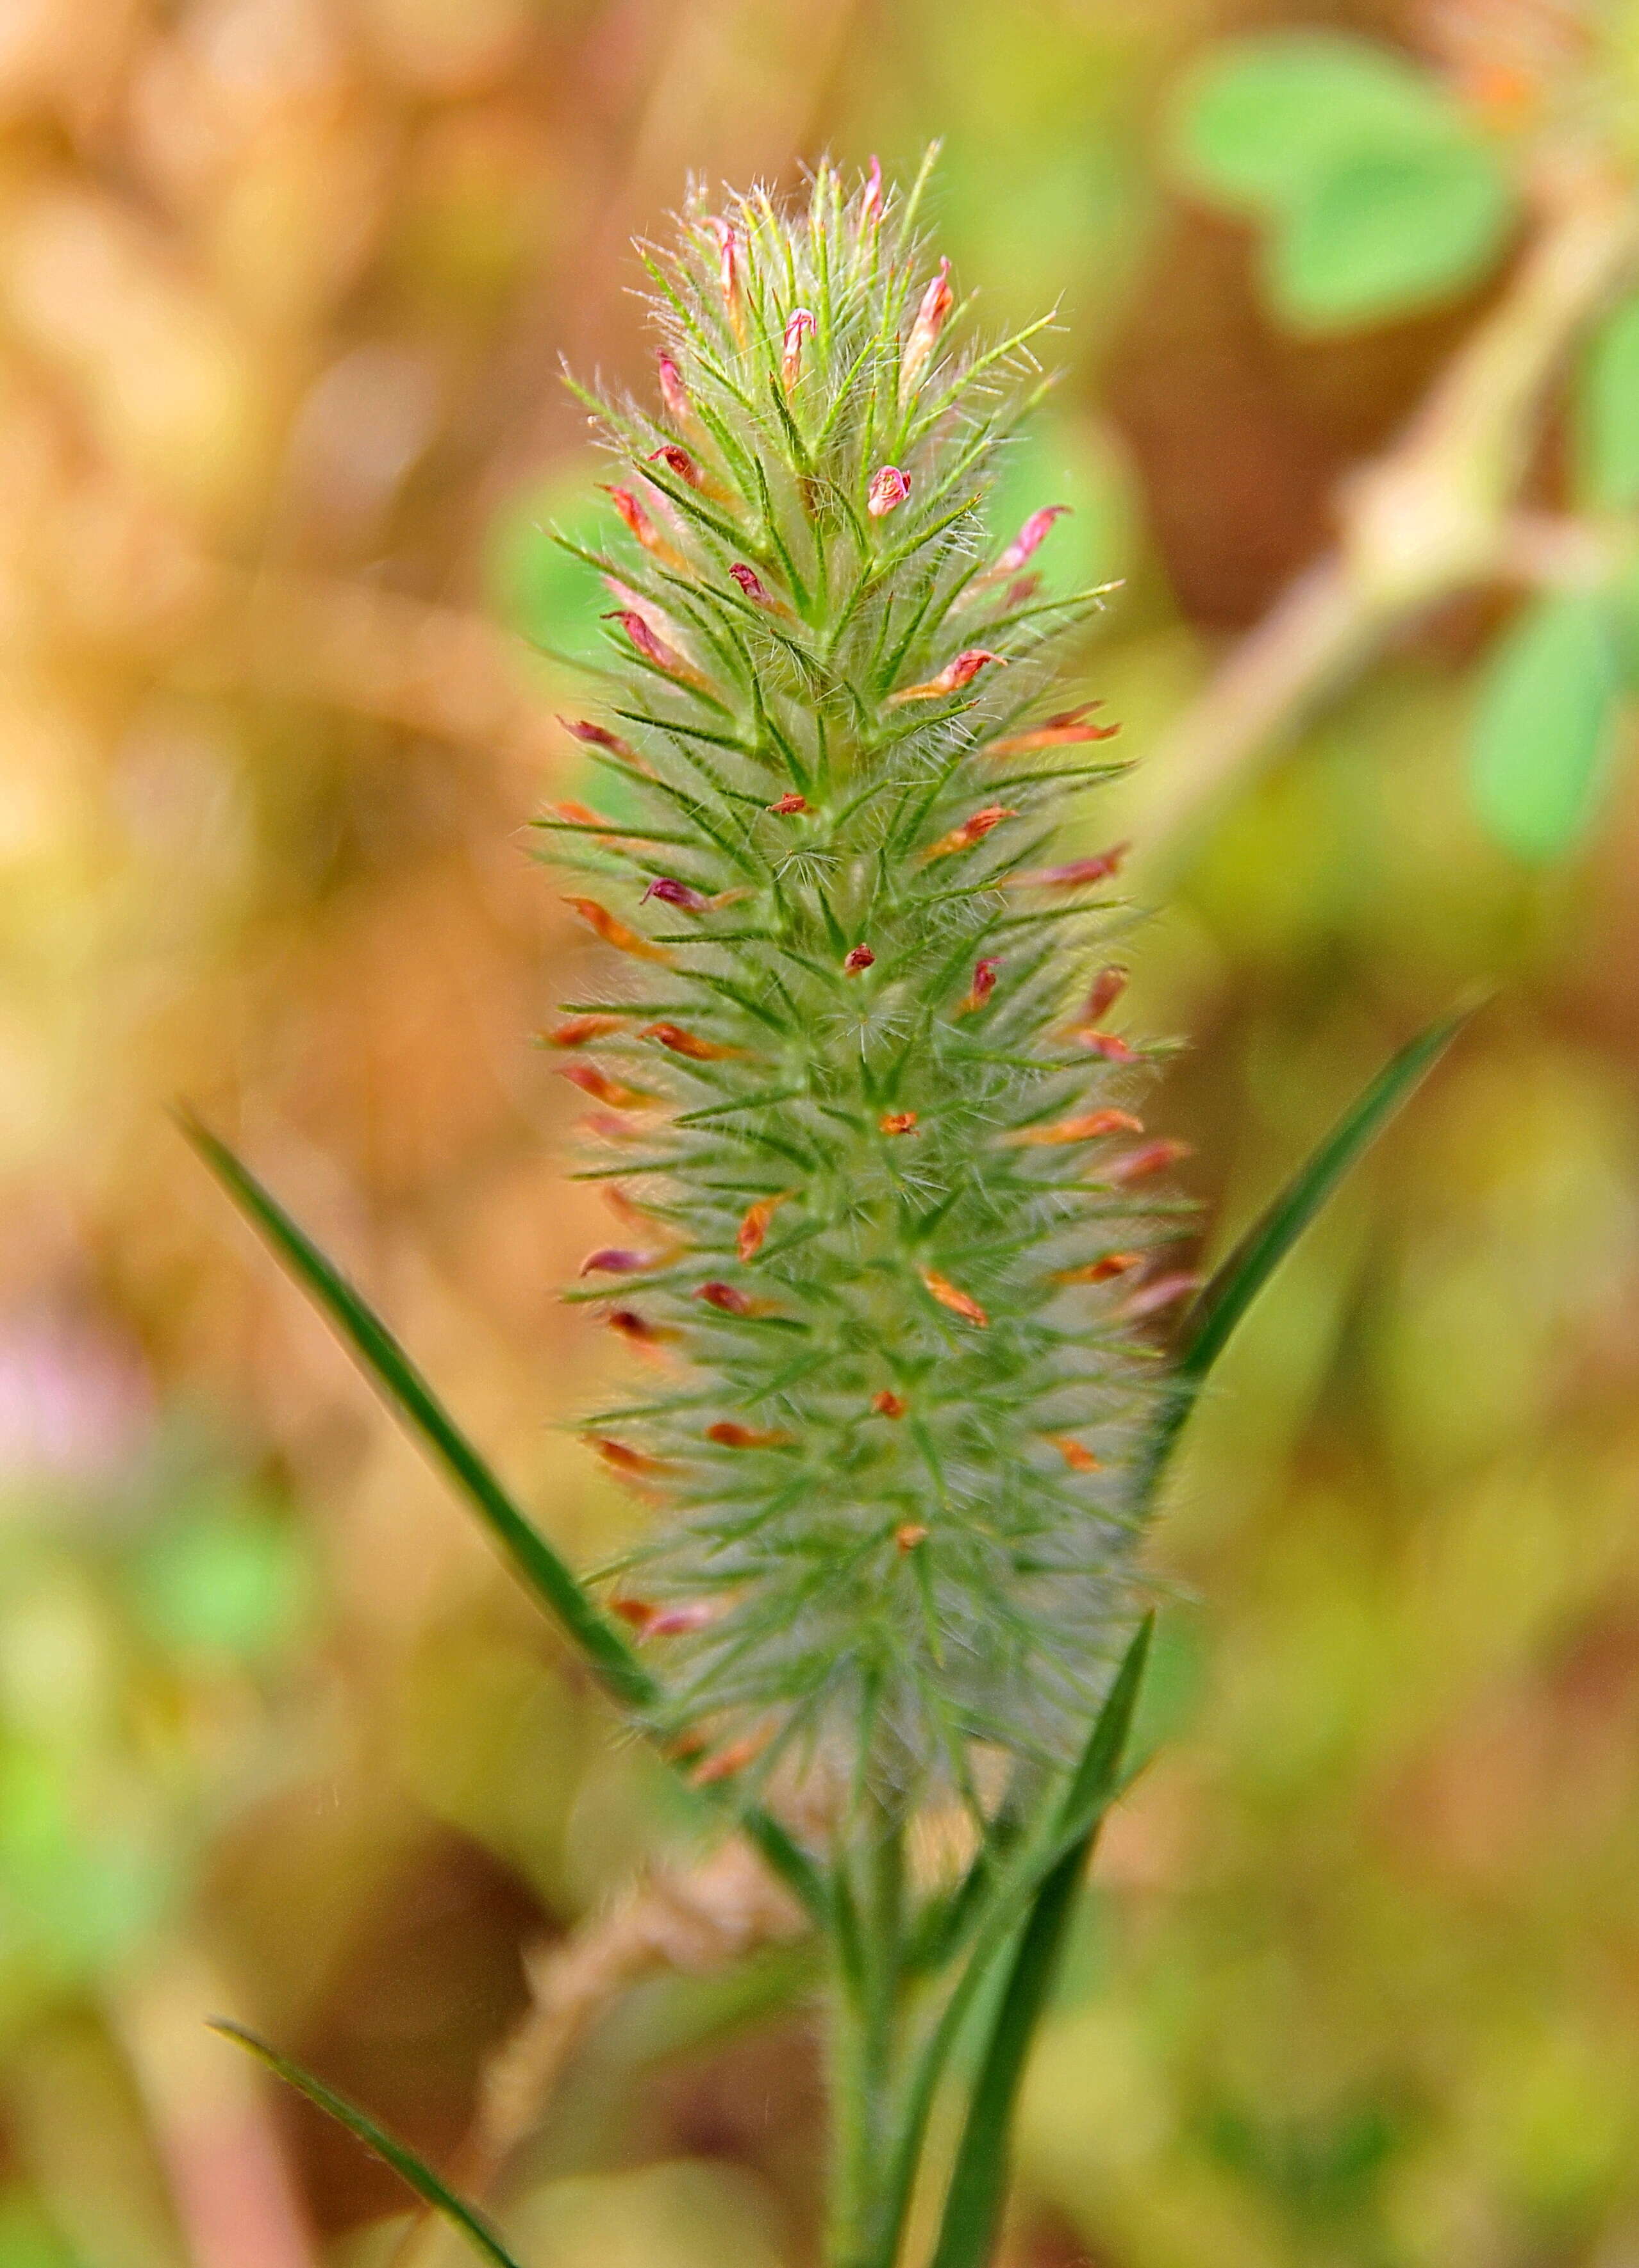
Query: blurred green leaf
x: 1544, y: 722
x: 1379, y: 196
x: 538, y: 589
x: 79, y: 1889
x: 1259, y: 121
x: 1605, y: 413
x: 26, y: 2239
x: 382, y: 2145
x: 1386, y: 233
x: 1069, y: 460
x: 227, y: 1581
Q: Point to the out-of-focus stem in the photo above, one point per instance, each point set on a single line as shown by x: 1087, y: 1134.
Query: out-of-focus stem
x: 690, y: 1918
x: 1434, y: 515
x: 229, y: 2186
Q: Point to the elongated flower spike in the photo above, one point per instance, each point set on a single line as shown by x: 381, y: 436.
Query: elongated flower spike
x: 931, y: 317
x: 895, y: 1189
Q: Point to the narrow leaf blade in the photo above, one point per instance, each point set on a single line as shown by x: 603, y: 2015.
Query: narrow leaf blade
x: 385, y: 1361
x: 978, y: 2186
x: 1212, y: 1320
x: 600, y: 1644
x: 404, y: 2163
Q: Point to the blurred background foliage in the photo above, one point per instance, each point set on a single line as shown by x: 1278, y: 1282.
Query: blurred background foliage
x: 1351, y: 406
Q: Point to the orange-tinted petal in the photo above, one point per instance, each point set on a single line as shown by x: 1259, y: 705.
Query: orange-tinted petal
x: 597, y: 1084
x: 615, y: 932
x: 1102, y: 1270
x: 952, y: 1296
x: 580, y: 1031
x: 1078, y: 874
x: 754, y: 1225
x: 972, y: 830
x: 730, y: 1760
x: 624, y: 1458
x: 682, y: 1042
x: 1092, y: 1126
x: 1161, y: 1291
x: 1152, y: 1158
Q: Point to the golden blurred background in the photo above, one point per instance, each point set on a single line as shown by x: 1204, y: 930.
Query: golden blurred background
x: 284, y: 285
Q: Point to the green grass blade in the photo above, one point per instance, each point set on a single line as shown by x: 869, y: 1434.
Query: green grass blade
x: 1212, y: 1321
x: 381, y: 2145
x: 599, y: 1643
x: 978, y: 2186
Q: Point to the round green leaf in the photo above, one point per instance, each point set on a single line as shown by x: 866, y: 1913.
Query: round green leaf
x: 1383, y: 234
x: 1543, y: 726
x: 543, y: 593
x: 1260, y: 120
x: 1065, y: 460
x: 1606, y: 414
x: 226, y: 1582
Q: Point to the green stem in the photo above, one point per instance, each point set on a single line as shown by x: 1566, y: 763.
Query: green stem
x: 870, y: 1935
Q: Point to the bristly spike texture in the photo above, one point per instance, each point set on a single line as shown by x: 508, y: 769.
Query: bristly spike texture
x: 888, y: 1201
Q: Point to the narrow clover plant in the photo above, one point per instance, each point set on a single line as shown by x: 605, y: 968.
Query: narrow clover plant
x: 888, y: 1211
x: 883, y: 1183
